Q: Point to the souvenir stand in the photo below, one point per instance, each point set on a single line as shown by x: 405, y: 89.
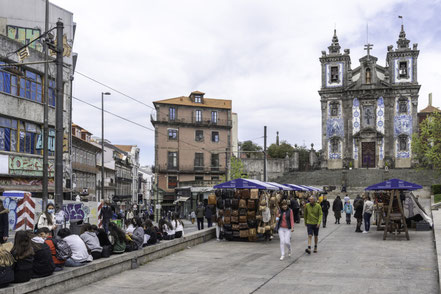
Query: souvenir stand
x: 393, y: 213
x: 243, y: 208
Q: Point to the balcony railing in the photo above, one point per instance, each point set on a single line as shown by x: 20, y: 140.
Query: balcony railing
x: 192, y: 121
x: 191, y: 169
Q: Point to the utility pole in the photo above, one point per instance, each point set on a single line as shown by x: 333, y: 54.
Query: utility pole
x: 59, y: 135
x: 102, y: 144
x: 264, y: 154
x: 45, y: 115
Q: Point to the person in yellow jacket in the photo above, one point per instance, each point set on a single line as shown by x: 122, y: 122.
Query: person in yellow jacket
x: 313, y: 217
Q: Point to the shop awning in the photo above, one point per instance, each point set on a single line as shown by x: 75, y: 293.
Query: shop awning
x: 16, y: 194
x: 296, y: 187
x: 280, y: 186
x: 394, y: 184
x: 181, y: 199
x: 245, y: 184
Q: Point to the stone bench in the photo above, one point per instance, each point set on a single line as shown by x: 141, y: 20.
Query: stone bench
x: 72, y: 278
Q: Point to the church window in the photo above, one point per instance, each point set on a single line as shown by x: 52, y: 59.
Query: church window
x: 402, y: 69
x: 403, y: 106
x: 403, y: 143
x: 334, y: 109
x: 334, y: 74
x: 368, y: 76
x: 334, y: 145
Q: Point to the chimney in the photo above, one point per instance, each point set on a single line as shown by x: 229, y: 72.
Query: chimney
x: 430, y: 99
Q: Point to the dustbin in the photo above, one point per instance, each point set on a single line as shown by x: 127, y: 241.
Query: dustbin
x: 75, y: 226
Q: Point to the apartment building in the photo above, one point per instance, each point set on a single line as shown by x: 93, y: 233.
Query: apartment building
x: 22, y: 97
x: 193, y: 139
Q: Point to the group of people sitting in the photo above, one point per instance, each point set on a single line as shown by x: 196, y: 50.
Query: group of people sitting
x: 37, y: 253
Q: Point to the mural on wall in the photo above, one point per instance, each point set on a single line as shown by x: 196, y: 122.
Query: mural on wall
x: 28, y: 166
x: 76, y: 211
x: 334, y: 127
x: 380, y: 115
x: 355, y: 116
x: 403, y: 127
x: 11, y: 204
x: 86, y: 211
x: 368, y: 116
x: 337, y: 154
x: 25, y: 36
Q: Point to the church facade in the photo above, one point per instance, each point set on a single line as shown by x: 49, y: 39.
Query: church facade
x: 369, y: 113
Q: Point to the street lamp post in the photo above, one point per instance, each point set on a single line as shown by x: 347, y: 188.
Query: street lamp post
x: 102, y: 143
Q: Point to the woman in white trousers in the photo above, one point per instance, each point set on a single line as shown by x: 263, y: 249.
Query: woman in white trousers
x: 285, y: 224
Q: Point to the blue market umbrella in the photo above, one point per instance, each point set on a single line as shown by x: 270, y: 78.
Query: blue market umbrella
x: 394, y: 184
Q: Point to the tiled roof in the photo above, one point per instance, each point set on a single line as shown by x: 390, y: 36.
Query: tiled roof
x: 126, y: 148
x: 430, y: 109
x: 207, y: 102
x: 198, y: 93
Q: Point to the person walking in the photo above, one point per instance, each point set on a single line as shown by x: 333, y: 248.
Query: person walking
x: 192, y: 217
x: 368, y: 209
x: 209, y: 215
x: 4, y: 223
x: 313, y: 217
x: 200, y: 211
x: 325, y: 209
x: 348, y: 210
x: 358, y: 207
x: 295, y: 207
x: 337, y: 207
x: 285, y: 225
x: 106, y: 214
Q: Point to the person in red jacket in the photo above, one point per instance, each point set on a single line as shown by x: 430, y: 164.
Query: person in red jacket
x: 285, y: 225
x: 46, y: 234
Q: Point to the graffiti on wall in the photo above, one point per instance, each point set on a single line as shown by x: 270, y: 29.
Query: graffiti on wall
x: 76, y: 211
x: 11, y: 204
x: 29, y: 166
x: 25, y: 36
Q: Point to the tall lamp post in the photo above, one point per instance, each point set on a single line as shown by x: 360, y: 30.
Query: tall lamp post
x: 102, y: 143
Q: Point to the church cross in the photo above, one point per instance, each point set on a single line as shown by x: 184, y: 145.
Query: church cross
x: 368, y: 48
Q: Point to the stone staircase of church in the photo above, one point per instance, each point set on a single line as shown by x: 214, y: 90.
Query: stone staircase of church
x: 358, y: 179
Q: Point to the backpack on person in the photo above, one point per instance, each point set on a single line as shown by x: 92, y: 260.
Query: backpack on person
x: 62, y: 249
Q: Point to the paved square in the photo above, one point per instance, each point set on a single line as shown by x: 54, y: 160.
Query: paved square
x: 347, y: 262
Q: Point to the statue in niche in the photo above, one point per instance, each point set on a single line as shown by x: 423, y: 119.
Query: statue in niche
x: 368, y: 75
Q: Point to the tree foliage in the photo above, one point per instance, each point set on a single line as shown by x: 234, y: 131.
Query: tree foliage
x: 236, y: 169
x: 427, y: 144
x: 252, y: 147
x: 280, y: 151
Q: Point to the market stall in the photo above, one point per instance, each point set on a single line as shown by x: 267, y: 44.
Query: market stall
x: 389, y: 204
x: 245, y: 209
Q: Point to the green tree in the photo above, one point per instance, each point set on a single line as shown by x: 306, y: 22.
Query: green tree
x: 252, y: 147
x: 427, y: 144
x: 236, y: 170
x: 280, y: 151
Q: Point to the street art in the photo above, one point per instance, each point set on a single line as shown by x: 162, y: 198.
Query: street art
x: 76, y: 211
x: 11, y: 204
x: 25, y: 36
x: 29, y: 166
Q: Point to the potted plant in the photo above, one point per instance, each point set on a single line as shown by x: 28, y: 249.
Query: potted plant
x: 350, y: 165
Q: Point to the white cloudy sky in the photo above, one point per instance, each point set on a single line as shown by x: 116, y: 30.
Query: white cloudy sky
x: 261, y: 54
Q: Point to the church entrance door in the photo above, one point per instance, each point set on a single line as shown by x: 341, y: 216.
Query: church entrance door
x: 368, y: 154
